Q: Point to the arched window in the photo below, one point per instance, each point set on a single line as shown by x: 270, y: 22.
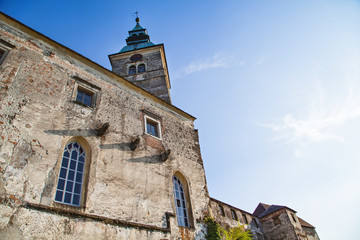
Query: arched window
x: 141, y: 68
x: 71, y: 175
x: 132, y: 70
x: 180, y: 203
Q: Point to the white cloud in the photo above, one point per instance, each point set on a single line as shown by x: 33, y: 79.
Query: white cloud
x: 260, y: 60
x: 321, y: 120
x: 218, y: 60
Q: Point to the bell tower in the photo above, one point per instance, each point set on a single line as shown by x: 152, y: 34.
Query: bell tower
x: 143, y: 63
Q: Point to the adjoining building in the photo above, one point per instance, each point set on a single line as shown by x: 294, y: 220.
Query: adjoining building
x: 88, y: 153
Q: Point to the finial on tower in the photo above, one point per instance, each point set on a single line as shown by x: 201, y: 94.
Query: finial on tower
x: 137, y: 19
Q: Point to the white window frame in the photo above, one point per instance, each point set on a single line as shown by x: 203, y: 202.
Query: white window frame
x: 146, y: 118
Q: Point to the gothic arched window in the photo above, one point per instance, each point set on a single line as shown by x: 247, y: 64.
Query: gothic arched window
x: 132, y: 70
x: 71, y: 175
x: 141, y: 68
x: 180, y: 203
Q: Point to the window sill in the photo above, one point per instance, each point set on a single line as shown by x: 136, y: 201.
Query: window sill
x: 84, y: 105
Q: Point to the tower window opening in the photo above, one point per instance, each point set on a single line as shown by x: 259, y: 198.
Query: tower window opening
x: 132, y: 70
x: 141, y: 68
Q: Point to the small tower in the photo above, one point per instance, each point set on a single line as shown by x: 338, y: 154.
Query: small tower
x: 143, y: 63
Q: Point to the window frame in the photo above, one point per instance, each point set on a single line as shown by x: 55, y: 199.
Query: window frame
x: 234, y: 215
x: 82, y: 86
x: 221, y: 210
x: 86, y: 175
x: 158, y: 124
x: 75, y: 179
x: 3, y: 53
x: 183, y: 221
x: 5, y: 47
x: 130, y: 67
x: 138, y: 68
x: 85, y: 93
x: 246, y: 221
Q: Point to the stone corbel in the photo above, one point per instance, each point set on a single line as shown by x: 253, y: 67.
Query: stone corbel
x: 101, y: 131
x: 165, y: 155
x: 134, y: 144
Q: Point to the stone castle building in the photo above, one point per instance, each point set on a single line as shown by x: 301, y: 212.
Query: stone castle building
x: 88, y: 153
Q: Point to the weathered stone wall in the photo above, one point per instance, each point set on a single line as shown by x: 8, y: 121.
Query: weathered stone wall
x: 310, y: 233
x: 153, y: 80
x: 227, y: 220
x: 280, y: 226
x: 39, y: 117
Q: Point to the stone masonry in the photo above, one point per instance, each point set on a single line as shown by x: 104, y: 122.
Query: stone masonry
x: 139, y: 170
x: 127, y: 194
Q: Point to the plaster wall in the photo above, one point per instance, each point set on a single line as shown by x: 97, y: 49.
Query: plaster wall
x: 39, y: 116
x: 227, y: 220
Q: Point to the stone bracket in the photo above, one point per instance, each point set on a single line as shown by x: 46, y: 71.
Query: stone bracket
x: 101, y: 131
x: 134, y: 144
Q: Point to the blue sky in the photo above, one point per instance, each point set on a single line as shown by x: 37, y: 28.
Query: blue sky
x: 274, y: 86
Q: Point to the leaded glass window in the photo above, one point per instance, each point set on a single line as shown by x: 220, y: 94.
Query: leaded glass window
x: 71, y: 175
x: 180, y: 203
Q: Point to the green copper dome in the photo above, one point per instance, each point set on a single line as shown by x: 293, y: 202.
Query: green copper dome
x: 138, y: 38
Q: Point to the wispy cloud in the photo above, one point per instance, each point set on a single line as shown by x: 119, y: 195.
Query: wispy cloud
x: 218, y: 60
x: 321, y: 120
x: 260, y: 60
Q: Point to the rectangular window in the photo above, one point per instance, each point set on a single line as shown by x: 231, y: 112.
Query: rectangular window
x: 152, y: 127
x: 84, y: 97
x: 221, y: 209
x: 5, y: 48
x: 85, y: 93
x: 2, y: 52
x: 233, y: 214
x: 293, y: 217
x: 245, y: 219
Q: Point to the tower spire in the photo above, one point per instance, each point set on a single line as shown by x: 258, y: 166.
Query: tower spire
x: 138, y: 37
x: 143, y: 63
x: 137, y: 19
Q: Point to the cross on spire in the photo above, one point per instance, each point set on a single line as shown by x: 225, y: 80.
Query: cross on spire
x: 137, y: 19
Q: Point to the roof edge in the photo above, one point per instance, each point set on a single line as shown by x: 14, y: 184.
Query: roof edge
x: 215, y: 200
x: 28, y: 30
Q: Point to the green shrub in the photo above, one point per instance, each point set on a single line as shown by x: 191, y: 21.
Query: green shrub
x: 216, y: 232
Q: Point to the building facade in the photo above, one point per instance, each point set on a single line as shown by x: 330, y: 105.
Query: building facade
x: 88, y: 153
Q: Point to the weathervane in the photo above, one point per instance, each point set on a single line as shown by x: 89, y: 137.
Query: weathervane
x: 137, y: 17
